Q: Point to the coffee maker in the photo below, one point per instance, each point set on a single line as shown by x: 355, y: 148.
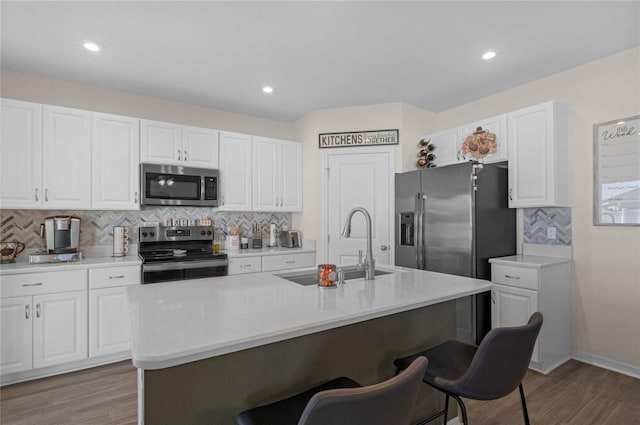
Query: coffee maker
x: 62, y: 234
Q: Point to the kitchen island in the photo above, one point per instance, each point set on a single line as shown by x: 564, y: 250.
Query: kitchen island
x: 208, y: 348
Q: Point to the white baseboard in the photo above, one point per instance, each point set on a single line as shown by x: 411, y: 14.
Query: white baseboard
x: 603, y: 362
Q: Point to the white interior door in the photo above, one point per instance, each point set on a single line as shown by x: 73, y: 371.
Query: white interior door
x: 358, y: 179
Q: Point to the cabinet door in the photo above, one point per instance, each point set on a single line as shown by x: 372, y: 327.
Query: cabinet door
x: 496, y: 125
x: 235, y: 172
x: 200, y: 147
x: 66, y: 158
x: 59, y: 328
x: 513, y: 307
x: 108, y: 321
x: 447, y: 149
x: 16, y: 336
x: 535, y: 153
x: 291, y: 176
x: 20, y: 155
x: 266, y: 174
x: 160, y: 143
x: 116, y: 158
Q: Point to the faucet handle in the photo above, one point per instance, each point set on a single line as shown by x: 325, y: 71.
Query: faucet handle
x: 359, y: 256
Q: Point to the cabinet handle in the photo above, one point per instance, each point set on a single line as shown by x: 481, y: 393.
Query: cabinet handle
x: 222, y: 200
x: 282, y: 201
x: 493, y: 297
x: 26, y: 285
x: 290, y: 262
x: 46, y: 195
x: 276, y: 201
x: 37, y: 200
x: 116, y: 277
x: 27, y: 313
x: 38, y: 310
x: 512, y: 277
x: 135, y: 197
x: 179, y: 154
x: 511, y: 194
x: 185, y: 156
x: 245, y: 265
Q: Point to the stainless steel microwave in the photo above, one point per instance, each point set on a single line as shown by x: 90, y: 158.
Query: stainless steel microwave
x: 175, y: 185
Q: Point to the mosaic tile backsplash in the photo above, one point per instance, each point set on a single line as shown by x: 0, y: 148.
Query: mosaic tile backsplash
x: 96, y: 226
x: 536, y: 221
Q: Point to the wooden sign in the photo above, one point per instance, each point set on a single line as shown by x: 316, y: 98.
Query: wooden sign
x: 358, y: 138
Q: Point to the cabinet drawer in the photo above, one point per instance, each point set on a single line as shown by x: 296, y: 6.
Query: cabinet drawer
x: 519, y: 277
x: 288, y: 261
x: 17, y: 285
x: 111, y: 277
x: 245, y: 265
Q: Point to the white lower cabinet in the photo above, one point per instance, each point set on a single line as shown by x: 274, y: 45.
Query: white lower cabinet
x: 59, y: 328
x: 44, y: 320
x: 269, y: 263
x: 17, y: 334
x: 109, y: 331
x: 526, y: 284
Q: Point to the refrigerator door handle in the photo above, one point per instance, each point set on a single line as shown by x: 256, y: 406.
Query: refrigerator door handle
x: 419, y: 218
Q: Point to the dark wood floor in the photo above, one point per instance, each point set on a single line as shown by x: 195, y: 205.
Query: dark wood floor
x: 573, y: 394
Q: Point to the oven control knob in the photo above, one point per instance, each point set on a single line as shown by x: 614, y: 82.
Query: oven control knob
x: 202, y: 233
x: 144, y: 234
x: 152, y: 234
x: 209, y: 232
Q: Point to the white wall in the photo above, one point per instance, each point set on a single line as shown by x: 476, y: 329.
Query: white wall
x: 606, y: 260
x: 409, y: 120
x: 37, y: 89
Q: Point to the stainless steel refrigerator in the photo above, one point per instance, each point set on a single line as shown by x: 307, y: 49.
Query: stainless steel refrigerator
x: 452, y: 219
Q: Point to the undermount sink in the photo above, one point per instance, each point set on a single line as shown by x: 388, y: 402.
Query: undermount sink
x: 308, y: 278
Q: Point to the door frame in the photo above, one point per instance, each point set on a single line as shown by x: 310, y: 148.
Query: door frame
x: 390, y: 150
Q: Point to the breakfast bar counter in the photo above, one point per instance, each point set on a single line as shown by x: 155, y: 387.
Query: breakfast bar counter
x: 208, y: 348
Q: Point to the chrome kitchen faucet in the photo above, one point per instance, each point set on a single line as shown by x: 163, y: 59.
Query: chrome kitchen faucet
x: 369, y: 262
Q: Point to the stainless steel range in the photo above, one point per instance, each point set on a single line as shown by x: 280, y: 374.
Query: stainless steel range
x: 179, y: 253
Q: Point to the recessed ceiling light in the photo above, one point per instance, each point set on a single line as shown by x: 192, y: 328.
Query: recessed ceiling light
x: 267, y: 89
x: 91, y: 46
x: 620, y: 123
x: 489, y: 55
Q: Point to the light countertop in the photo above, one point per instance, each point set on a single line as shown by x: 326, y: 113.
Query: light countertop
x: 528, y: 261
x: 90, y: 261
x: 307, y: 246
x: 179, y: 322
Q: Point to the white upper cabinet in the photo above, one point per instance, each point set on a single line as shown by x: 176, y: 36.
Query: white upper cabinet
x: 115, y: 165
x: 446, y: 149
x: 277, y: 175
x: 66, y: 158
x: 235, y: 171
x: 538, y: 156
x: 200, y: 147
x: 496, y: 125
x: 21, y: 155
x: 160, y: 143
x: 172, y: 144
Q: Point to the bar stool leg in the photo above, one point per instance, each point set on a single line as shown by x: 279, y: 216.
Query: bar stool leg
x: 446, y: 408
x: 524, y: 405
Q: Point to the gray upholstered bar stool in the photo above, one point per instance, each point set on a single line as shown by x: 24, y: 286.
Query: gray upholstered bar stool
x: 490, y: 371
x: 345, y: 402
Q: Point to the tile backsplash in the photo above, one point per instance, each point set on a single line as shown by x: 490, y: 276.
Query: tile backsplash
x: 537, y: 220
x: 96, y: 226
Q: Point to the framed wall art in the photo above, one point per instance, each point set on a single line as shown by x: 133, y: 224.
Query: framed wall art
x: 616, y: 186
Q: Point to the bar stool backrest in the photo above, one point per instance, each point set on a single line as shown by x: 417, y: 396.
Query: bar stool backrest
x: 389, y: 402
x: 500, y: 363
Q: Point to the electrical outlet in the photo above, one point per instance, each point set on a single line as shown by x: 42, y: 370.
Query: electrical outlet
x: 551, y: 232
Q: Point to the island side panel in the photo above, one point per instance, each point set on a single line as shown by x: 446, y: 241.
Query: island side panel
x: 215, y: 390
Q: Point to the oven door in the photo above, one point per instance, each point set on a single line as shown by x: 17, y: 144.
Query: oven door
x: 183, y: 270
x: 173, y: 185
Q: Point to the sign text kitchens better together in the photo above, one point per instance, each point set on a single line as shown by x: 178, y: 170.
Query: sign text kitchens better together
x: 358, y: 138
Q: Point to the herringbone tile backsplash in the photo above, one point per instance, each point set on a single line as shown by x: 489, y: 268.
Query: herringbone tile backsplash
x: 96, y: 227
x: 536, y: 221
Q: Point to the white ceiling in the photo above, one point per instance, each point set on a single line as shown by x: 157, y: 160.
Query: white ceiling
x: 315, y: 54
